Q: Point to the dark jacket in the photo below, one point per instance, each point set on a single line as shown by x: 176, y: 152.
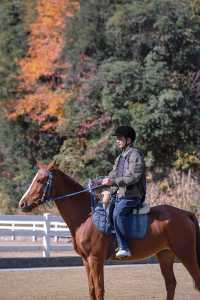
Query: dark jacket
x: 128, y: 173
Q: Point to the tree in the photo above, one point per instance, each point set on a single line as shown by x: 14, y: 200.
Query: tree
x: 141, y: 75
x: 41, y: 90
x: 14, y: 19
x: 12, y: 44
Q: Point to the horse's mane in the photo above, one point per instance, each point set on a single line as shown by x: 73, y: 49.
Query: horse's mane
x: 69, y: 179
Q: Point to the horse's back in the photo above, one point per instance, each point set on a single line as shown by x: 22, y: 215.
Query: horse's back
x: 167, y: 212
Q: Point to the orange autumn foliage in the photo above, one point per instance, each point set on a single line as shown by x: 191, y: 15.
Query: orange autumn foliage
x: 42, y: 74
x: 44, y: 106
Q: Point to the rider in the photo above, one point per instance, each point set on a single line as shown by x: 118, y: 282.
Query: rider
x: 128, y: 177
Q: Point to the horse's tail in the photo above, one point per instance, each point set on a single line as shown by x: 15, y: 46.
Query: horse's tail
x: 197, y: 229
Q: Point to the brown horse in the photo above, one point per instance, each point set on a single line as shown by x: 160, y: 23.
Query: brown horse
x: 172, y: 231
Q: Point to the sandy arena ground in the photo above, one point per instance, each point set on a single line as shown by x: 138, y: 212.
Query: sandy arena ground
x: 141, y: 282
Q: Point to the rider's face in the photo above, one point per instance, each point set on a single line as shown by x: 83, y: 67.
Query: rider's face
x: 122, y: 142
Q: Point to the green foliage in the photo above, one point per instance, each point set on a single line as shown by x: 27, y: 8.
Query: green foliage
x: 22, y: 145
x: 145, y: 57
x: 16, y: 155
x: 186, y: 161
x: 12, y: 43
x: 15, y: 168
x: 163, y: 125
x: 126, y: 28
x: 132, y: 62
x: 87, y: 30
x: 121, y: 85
x: 156, y: 74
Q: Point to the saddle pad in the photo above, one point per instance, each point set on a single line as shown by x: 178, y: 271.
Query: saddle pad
x: 135, y: 225
x: 145, y: 209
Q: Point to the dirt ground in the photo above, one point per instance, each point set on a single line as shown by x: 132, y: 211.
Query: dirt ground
x: 141, y: 282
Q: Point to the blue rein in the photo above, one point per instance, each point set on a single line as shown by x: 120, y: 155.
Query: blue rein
x: 48, y: 187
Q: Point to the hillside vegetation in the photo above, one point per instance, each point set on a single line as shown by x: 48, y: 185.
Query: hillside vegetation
x: 71, y: 72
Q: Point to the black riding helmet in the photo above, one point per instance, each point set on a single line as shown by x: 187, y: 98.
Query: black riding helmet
x: 125, y: 131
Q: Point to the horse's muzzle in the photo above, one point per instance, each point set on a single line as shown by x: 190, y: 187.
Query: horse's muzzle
x: 25, y: 208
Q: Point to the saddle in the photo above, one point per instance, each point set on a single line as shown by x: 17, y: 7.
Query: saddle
x: 136, y: 225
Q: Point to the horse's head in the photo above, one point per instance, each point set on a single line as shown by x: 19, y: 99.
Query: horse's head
x: 39, y: 189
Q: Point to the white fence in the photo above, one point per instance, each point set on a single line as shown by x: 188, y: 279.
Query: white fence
x: 44, y: 233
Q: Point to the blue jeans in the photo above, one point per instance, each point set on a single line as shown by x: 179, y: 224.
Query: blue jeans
x: 123, y: 207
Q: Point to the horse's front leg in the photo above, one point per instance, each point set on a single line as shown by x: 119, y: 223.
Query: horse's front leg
x: 96, y: 266
x: 90, y: 280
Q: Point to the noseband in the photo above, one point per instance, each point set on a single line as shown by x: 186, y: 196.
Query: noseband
x: 47, y: 190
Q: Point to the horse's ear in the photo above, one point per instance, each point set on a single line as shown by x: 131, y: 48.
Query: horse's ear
x: 52, y: 165
x: 41, y: 165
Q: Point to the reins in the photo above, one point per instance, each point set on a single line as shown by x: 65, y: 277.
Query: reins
x: 47, y: 191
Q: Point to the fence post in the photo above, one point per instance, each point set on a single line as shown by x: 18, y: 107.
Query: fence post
x: 34, y: 235
x: 56, y: 228
x: 13, y: 232
x: 46, y: 236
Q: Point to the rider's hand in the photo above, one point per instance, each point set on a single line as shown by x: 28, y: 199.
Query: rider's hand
x: 107, y: 181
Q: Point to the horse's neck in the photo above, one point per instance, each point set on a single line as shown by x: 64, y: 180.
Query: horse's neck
x: 75, y: 209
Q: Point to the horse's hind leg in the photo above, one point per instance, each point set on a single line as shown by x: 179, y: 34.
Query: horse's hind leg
x: 189, y: 260
x: 166, y: 260
x: 186, y: 252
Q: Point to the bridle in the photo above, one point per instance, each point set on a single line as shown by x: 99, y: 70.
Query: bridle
x: 47, y: 189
